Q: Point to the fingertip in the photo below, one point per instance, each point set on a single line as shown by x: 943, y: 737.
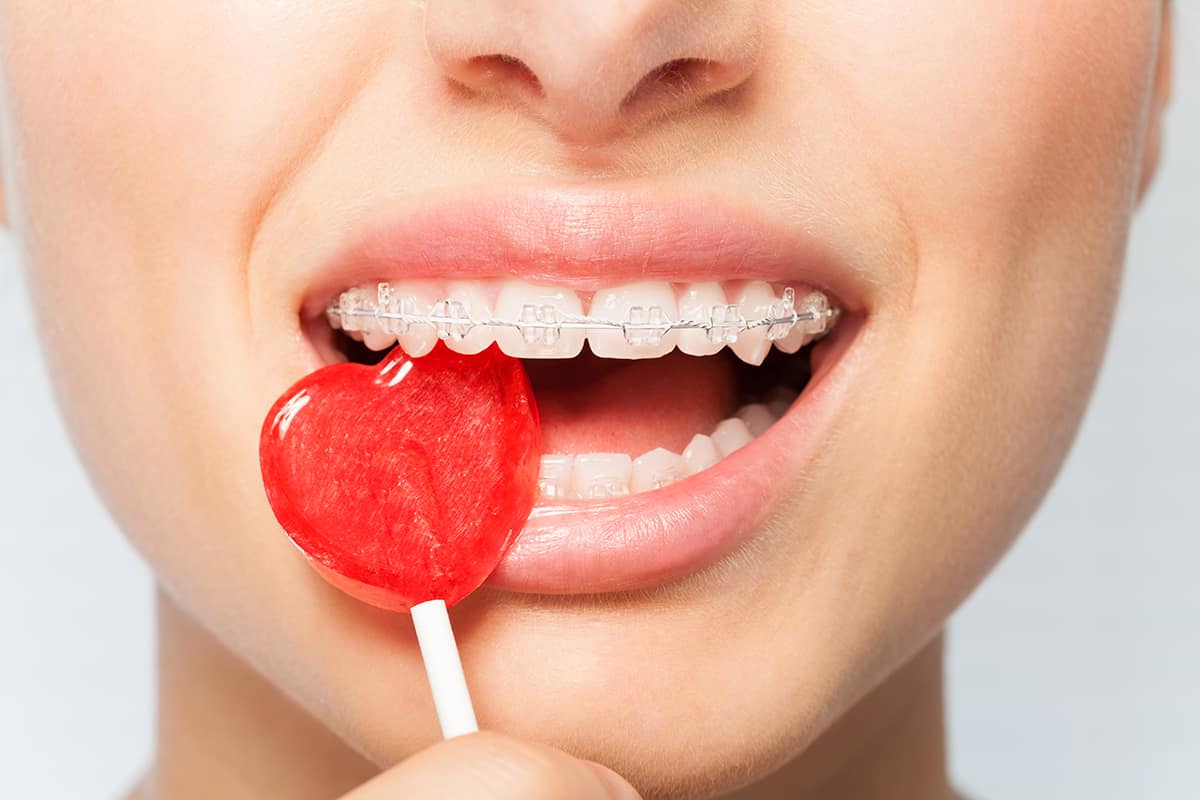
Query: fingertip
x: 617, y: 787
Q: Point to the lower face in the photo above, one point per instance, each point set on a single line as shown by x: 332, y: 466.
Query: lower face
x: 957, y: 182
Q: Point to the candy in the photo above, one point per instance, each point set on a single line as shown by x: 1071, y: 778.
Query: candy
x: 406, y: 481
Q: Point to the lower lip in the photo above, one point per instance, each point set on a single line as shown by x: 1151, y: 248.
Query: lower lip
x: 658, y: 537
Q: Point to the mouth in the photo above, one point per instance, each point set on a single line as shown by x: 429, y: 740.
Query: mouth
x: 684, y: 360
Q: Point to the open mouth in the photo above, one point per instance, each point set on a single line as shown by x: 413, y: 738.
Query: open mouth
x: 670, y: 404
x: 728, y: 361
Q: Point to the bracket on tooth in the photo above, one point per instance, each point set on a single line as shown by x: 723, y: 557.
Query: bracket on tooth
x: 645, y: 326
x: 355, y: 310
x: 393, y: 311
x: 539, y: 324
x: 451, y: 320
x: 725, y: 322
x: 783, y: 315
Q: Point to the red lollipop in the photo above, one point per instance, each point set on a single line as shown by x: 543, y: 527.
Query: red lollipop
x: 406, y: 482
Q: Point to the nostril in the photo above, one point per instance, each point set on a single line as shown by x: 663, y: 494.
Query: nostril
x: 501, y: 73
x: 683, y: 79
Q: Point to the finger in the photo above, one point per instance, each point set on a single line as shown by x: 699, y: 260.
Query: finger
x: 488, y: 766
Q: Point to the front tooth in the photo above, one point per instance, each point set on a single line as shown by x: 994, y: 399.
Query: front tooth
x: 731, y: 435
x: 555, y: 476
x: 540, y: 311
x: 756, y: 300
x: 468, y: 338
x: 700, y: 454
x: 415, y: 298
x: 644, y: 310
x: 656, y: 469
x: 696, y: 303
x: 599, y: 475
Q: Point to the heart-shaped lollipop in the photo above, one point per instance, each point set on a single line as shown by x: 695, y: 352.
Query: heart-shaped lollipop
x: 407, y: 481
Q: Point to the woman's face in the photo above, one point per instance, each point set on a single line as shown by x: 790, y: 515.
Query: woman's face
x: 191, y: 181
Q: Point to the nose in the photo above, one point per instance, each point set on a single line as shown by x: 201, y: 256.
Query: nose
x: 595, y: 69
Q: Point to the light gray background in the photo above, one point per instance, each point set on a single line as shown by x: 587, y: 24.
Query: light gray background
x: 1072, y: 672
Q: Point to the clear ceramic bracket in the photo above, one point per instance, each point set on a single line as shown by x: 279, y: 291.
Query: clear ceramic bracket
x: 543, y: 324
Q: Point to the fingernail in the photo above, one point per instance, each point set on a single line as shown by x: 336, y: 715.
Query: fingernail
x: 618, y: 788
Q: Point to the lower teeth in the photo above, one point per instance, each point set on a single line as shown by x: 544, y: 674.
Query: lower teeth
x: 594, y: 476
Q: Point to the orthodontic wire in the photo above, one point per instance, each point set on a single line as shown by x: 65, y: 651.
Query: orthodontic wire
x: 726, y: 320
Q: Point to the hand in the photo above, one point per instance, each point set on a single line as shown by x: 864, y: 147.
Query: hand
x: 488, y: 766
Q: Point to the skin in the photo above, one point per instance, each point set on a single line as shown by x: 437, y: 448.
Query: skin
x: 169, y: 166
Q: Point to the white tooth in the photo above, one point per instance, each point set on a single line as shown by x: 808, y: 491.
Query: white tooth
x: 656, y: 469
x: 599, y: 475
x: 696, y: 302
x: 378, y: 340
x: 805, y: 331
x: 731, y: 435
x: 645, y: 310
x: 755, y: 301
x: 555, y: 476
x: 474, y: 303
x: 540, y: 308
x: 757, y: 418
x: 700, y: 454
x: 780, y: 399
x: 795, y: 339
x: 415, y: 297
x: 350, y: 301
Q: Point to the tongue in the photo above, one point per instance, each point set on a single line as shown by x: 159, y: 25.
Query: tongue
x: 594, y: 405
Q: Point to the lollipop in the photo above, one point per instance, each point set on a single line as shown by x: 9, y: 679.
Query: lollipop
x: 405, y: 483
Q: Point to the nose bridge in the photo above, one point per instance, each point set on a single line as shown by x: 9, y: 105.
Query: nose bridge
x: 591, y: 67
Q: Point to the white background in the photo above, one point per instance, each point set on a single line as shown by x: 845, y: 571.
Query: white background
x: 1072, y: 672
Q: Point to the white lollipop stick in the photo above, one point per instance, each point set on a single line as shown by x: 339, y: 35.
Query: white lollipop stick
x: 444, y: 668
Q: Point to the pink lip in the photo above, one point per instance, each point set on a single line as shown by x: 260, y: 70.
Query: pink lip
x: 585, y: 239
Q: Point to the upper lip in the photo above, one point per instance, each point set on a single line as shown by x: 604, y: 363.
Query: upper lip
x: 584, y: 239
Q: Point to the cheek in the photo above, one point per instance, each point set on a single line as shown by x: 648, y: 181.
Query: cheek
x: 143, y: 174
x: 1010, y: 143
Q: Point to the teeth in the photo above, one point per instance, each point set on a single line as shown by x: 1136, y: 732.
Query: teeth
x: 644, y: 311
x: 805, y: 331
x: 638, y: 320
x: 657, y: 469
x: 724, y: 322
x: 731, y: 435
x: 382, y: 335
x: 591, y: 476
x: 697, y: 303
x: 554, y: 479
x: 757, y: 418
x: 349, y: 302
x: 538, y: 312
x: 600, y: 475
x: 756, y: 300
x: 412, y: 297
x: 700, y: 454
x: 471, y: 300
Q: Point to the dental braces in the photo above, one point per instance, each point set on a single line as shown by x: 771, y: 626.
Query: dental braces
x: 543, y: 323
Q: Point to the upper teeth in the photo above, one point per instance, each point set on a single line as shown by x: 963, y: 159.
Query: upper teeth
x: 639, y: 320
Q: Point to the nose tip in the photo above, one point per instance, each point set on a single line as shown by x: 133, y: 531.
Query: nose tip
x: 595, y: 69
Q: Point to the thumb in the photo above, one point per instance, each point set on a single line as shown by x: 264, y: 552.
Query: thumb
x: 488, y: 766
